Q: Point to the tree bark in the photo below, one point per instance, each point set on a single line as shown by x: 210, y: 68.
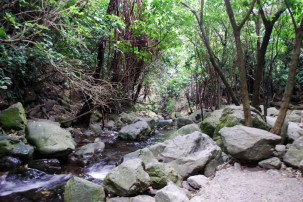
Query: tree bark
x: 269, y: 24
x: 237, y: 34
x: 290, y: 81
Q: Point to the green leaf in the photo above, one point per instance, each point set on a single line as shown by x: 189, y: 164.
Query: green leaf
x: 2, y: 32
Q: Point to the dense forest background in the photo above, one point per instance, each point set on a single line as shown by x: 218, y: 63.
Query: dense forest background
x: 164, y: 55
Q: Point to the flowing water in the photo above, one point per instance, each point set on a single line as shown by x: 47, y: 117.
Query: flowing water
x: 27, y: 184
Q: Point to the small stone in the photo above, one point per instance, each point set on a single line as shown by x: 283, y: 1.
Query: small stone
x: 237, y: 166
x: 280, y: 148
x: 272, y: 163
x: 197, y: 181
x: 273, y: 172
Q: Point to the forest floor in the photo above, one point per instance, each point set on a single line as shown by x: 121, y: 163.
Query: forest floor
x: 233, y: 184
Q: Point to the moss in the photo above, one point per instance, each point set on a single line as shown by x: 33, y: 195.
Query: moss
x: 13, y: 117
x: 207, y: 128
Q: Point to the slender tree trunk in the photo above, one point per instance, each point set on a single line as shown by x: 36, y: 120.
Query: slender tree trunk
x: 237, y: 34
x: 290, y: 81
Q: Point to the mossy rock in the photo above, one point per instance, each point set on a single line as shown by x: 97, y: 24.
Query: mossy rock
x: 209, y: 124
x: 13, y: 117
x: 81, y: 190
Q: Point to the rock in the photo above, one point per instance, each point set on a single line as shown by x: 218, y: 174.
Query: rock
x: 273, y: 172
x: 171, y: 193
x: 237, y: 166
x: 209, y: 124
x: 90, y: 149
x: 211, y: 166
x: 271, y: 111
x: 188, y: 129
x: 197, y: 116
x: 294, y: 131
x: 127, y: 179
x: 9, y: 163
x: 110, y: 124
x: 127, y: 118
x: 140, y: 198
x: 234, y: 115
x: 134, y: 131
x: 247, y: 143
x: 271, y: 121
x: 175, y: 115
x: 95, y: 127
x: 280, y: 150
x: 165, y: 123
x: 294, y: 154
x: 197, y: 181
x: 183, y: 120
x: 295, y: 116
x: 50, y: 166
x: 13, y: 117
x: 50, y: 139
x: 14, y: 147
x: 272, y: 163
x: 188, y: 154
x: 81, y: 190
x: 150, y: 121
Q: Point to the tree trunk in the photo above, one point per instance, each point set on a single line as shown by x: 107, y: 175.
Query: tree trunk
x: 290, y: 81
x: 237, y: 34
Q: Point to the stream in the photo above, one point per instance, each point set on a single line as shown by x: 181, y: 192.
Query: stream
x: 27, y: 184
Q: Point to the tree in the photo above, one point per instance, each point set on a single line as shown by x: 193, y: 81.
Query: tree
x: 291, y: 76
x: 205, y: 39
x: 237, y: 34
x: 261, y: 51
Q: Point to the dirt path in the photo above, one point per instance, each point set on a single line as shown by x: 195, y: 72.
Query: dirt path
x: 233, y: 185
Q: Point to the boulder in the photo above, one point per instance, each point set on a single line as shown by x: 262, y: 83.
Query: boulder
x: 135, y: 131
x: 164, y: 123
x: 127, y: 118
x: 197, y: 181
x: 175, y: 115
x: 140, y: 198
x: 14, y: 147
x: 95, y: 127
x: 50, y: 166
x: 150, y: 121
x: 294, y: 131
x: 197, y: 116
x: 280, y: 150
x: 90, y: 149
x: 171, y: 193
x: 209, y: 124
x: 9, y: 163
x: 271, y: 111
x: 128, y: 179
x: 294, y: 154
x: 81, y: 190
x: 50, y: 139
x: 272, y: 163
x: 188, y: 154
x: 13, y: 117
x: 247, y: 143
x: 272, y: 120
x: 184, y: 120
x: 295, y: 116
x: 188, y: 129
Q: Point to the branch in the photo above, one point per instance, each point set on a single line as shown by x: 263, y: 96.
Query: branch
x: 248, y: 13
x: 292, y: 16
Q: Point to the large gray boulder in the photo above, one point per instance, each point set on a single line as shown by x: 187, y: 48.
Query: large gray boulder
x: 209, y: 124
x: 247, y: 143
x: 184, y: 120
x: 171, y: 193
x: 294, y: 131
x: 140, y: 198
x: 81, y: 190
x: 294, y: 154
x: 150, y: 121
x: 188, y: 129
x: 135, y: 131
x: 295, y: 116
x: 50, y: 139
x: 127, y: 118
x: 188, y: 154
x: 13, y: 117
x: 128, y: 179
x: 11, y: 146
x: 234, y: 115
x: 272, y: 120
x: 159, y: 173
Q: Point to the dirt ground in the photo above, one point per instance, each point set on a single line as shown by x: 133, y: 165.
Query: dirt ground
x: 235, y: 185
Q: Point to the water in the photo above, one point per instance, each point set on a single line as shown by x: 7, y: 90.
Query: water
x: 28, y: 184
